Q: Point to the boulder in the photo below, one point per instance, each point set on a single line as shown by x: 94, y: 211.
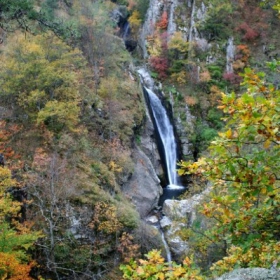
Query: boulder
x: 179, y: 214
x: 183, y: 209
x: 178, y: 246
x: 144, y: 187
x: 251, y: 274
x: 165, y: 222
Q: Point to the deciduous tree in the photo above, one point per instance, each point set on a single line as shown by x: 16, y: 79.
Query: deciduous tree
x: 15, y: 238
x: 40, y: 75
x: 244, y: 171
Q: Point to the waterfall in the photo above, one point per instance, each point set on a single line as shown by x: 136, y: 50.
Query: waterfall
x: 166, y: 134
x: 126, y: 30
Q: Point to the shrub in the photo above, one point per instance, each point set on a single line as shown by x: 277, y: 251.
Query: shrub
x: 232, y: 78
x: 160, y: 65
x: 249, y: 34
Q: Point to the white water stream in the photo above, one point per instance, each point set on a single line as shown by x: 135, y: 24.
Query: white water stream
x: 166, y: 134
x: 166, y: 247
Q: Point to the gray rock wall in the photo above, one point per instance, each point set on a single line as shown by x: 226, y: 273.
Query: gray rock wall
x: 251, y: 274
x: 143, y: 189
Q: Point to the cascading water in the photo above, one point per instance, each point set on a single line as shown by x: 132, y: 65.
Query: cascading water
x: 126, y: 30
x: 167, y: 138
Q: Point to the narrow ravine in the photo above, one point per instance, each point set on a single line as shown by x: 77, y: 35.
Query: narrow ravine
x: 166, y: 145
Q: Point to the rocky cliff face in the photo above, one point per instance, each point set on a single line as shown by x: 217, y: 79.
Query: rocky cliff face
x: 143, y: 189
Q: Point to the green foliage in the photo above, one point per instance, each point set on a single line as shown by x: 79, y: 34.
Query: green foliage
x: 203, y: 135
x: 274, y: 3
x: 214, y: 116
x: 244, y: 172
x: 14, y: 243
x: 16, y: 14
x: 48, y: 8
x: 216, y: 72
x: 124, y: 111
x: 127, y: 215
x: 122, y: 2
x: 218, y: 22
x: 142, y: 7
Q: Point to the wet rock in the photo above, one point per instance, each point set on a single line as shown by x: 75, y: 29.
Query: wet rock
x: 152, y: 219
x: 178, y: 246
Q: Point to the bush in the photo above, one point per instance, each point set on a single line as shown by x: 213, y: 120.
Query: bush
x: 214, y: 117
x: 232, y: 78
x: 249, y: 34
x: 160, y: 65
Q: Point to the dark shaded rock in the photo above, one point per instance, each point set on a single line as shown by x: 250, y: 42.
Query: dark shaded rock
x: 130, y: 45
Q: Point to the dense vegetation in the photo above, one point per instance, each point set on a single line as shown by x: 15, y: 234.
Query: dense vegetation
x: 71, y: 109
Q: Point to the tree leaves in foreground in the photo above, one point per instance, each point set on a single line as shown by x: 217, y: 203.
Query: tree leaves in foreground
x: 244, y: 171
x: 154, y: 268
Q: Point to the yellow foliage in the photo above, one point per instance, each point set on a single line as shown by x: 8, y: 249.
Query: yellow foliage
x: 135, y: 21
x: 178, y: 43
x: 154, y: 45
x: 180, y: 77
x: 12, y: 269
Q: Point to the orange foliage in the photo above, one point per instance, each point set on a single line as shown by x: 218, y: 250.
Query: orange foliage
x: 190, y: 100
x: 41, y: 159
x: 205, y: 76
x: 163, y: 22
x: 11, y: 268
x: 243, y: 53
x: 128, y: 249
x: 7, y: 131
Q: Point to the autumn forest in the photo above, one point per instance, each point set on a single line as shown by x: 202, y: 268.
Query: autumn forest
x: 80, y: 171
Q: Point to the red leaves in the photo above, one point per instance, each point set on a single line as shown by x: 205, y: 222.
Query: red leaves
x: 163, y: 22
x: 249, y: 33
x: 160, y: 65
x: 232, y: 78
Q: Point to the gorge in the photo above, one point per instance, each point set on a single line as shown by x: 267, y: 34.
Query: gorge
x: 99, y: 100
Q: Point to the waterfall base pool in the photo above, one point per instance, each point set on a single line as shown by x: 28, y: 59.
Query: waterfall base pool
x: 171, y: 192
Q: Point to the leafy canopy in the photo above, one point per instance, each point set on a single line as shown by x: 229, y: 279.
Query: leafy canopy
x: 40, y: 74
x: 244, y: 171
